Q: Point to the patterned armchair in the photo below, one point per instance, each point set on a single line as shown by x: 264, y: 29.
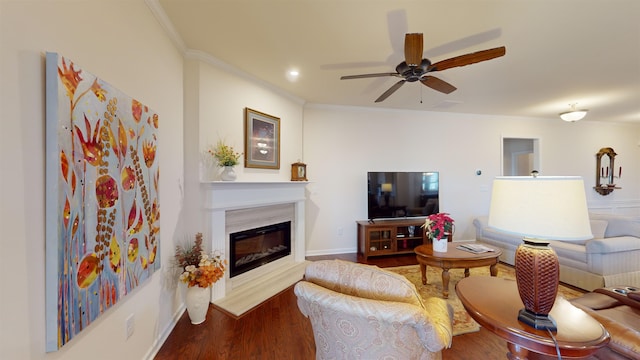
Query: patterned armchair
x: 363, y: 312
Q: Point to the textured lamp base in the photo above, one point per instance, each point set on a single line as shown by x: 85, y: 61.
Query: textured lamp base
x: 537, y: 321
x: 537, y: 275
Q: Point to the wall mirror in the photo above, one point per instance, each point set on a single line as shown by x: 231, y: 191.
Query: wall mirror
x: 520, y: 156
x: 606, y: 172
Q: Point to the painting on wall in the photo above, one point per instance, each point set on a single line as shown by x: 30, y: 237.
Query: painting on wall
x: 261, y: 140
x: 102, y: 203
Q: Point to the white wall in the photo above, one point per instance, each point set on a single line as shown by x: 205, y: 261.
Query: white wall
x: 122, y: 43
x: 341, y: 144
x: 224, y: 94
x: 217, y: 97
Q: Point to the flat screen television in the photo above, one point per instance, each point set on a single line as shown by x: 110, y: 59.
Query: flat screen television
x: 402, y: 194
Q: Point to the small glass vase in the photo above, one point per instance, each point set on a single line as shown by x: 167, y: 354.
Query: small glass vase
x: 228, y: 174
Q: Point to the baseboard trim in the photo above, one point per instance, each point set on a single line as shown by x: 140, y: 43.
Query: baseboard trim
x: 164, y: 335
x: 331, y: 252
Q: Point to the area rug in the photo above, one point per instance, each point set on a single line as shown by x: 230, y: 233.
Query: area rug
x: 462, y: 322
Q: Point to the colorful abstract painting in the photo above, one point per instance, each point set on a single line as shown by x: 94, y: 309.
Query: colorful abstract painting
x: 103, y: 209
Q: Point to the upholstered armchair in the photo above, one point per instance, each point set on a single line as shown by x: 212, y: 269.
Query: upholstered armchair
x: 363, y: 312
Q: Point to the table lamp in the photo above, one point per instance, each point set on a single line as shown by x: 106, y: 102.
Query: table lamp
x: 539, y: 209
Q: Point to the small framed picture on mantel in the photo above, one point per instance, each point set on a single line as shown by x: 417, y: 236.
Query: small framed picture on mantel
x: 299, y: 171
x: 261, y: 140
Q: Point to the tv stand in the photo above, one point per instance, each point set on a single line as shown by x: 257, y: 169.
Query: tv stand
x: 389, y: 237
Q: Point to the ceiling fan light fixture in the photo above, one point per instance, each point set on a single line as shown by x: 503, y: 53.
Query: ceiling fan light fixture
x: 573, y: 114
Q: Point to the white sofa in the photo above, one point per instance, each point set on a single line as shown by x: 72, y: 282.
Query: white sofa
x: 611, y: 258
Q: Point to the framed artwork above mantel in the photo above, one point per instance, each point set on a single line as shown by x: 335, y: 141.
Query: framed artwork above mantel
x: 261, y: 140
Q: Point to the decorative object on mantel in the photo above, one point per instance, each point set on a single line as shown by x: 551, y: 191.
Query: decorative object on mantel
x: 228, y: 174
x: 439, y: 228
x: 520, y: 205
x: 606, y: 171
x: 298, y: 171
x: 261, y: 140
x: 200, y: 270
x: 227, y: 158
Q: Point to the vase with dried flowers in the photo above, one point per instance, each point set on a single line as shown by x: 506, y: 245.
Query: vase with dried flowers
x: 226, y: 157
x: 438, y: 227
x: 200, y: 270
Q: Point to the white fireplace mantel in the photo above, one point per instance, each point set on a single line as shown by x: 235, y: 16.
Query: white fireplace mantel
x: 243, y: 292
x: 229, y: 195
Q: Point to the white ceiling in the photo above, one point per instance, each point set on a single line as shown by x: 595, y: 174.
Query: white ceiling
x: 558, y: 51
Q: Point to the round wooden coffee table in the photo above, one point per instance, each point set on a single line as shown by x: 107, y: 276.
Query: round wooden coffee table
x: 454, y: 259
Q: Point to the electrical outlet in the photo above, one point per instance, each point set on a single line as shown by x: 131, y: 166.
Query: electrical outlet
x: 340, y: 231
x: 130, y: 324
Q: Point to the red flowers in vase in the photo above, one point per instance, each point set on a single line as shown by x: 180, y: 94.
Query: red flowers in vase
x: 438, y: 225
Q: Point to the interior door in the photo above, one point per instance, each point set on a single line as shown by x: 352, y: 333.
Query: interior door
x: 520, y: 156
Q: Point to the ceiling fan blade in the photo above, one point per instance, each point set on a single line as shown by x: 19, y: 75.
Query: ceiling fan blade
x: 391, y: 90
x: 367, y: 76
x: 438, y: 84
x: 413, y: 49
x: 468, y: 59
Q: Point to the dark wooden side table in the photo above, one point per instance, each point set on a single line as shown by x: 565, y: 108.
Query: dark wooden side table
x: 494, y: 303
x: 454, y: 259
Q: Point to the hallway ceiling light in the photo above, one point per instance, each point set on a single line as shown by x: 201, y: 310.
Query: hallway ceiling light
x: 573, y: 114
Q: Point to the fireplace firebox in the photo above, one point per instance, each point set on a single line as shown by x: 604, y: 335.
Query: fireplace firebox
x: 255, y: 247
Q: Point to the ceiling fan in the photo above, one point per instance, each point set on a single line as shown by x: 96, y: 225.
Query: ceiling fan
x: 415, y: 68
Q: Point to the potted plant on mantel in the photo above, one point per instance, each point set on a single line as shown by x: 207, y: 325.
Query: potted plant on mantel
x: 200, y: 270
x: 439, y: 227
x: 227, y: 158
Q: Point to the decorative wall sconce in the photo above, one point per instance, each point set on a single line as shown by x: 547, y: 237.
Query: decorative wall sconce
x: 606, y: 171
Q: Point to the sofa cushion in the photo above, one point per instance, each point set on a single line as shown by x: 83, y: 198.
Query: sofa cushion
x: 502, y: 236
x: 596, y: 301
x: 620, y: 321
x: 613, y: 244
x: 569, y: 250
x: 619, y: 225
x: 365, y: 281
x: 598, y: 228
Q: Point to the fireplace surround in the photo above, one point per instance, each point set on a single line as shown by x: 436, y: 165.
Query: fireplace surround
x: 231, y: 207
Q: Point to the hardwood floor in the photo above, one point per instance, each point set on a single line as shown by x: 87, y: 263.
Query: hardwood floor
x: 277, y: 330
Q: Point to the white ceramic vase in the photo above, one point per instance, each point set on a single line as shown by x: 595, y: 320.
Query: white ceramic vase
x: 440, y: 245
x: 228, y: 174
x: 197, y: 302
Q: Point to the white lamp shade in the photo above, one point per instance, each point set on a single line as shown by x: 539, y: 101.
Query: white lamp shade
x: 387, y: 187
x: 544, y: 207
